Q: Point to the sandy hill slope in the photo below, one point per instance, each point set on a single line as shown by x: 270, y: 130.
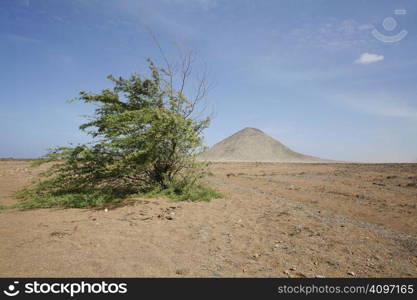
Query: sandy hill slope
x: 253, y: 145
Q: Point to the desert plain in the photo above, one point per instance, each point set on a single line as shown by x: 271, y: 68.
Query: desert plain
x: 276, y: 220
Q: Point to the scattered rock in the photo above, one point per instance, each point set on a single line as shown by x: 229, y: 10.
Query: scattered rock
x: 351, y: 273
x: 332, y: 263
x: 283, y: 213
x: 182, y: 271
x: 59, y: 234
x: 297, y: 230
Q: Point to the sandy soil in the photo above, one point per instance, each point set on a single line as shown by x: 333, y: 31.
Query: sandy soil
x: 277, y: 220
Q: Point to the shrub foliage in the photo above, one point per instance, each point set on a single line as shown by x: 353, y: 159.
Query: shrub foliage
x: 145, y: 140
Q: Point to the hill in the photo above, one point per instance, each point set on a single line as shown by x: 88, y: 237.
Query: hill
x: 253, y: 145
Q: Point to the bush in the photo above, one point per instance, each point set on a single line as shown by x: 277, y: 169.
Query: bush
x: 183, y: 191
x: 145, y: 140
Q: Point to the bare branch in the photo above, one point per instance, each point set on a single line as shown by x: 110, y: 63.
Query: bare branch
x: 164, y: 57
x: 182, y: 74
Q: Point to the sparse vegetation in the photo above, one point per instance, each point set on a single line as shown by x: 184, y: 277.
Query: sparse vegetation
x: 145, y: 140
x: 184, y: 192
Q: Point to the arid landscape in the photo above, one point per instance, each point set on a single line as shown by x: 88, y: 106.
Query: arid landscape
x: 208, y: 139
x: 276, y: 220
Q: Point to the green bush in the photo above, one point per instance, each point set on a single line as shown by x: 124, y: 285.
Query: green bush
x: 66, y: 200
x: 145, y: 140
x: 181, y: 192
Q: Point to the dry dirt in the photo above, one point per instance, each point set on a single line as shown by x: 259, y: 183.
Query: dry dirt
x: 277, y: 220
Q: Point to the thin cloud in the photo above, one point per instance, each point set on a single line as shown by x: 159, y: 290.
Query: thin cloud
x: 205, y: 4
x: 380, y: 105
x: 19, y: 38
x: 334, y: 34
x: 24, y: 2
x: 369, y: 58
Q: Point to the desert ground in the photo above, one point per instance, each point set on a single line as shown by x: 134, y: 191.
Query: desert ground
x: 276, y: 220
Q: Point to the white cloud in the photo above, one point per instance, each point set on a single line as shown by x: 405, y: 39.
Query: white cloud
x: 369, y: 58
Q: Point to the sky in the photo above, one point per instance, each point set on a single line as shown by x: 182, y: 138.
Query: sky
x: 333, y: 79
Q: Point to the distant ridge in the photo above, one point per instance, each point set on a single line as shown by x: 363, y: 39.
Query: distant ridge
x: 253, y: 145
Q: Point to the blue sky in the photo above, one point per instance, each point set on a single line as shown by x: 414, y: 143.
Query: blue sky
x: 310, y: 73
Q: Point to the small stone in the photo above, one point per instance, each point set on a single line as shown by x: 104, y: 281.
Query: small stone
x: 320, y: 276
x: 181, y: 271
x: 292, y: 269
x: 351, y: 273
x: 106, y: 210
